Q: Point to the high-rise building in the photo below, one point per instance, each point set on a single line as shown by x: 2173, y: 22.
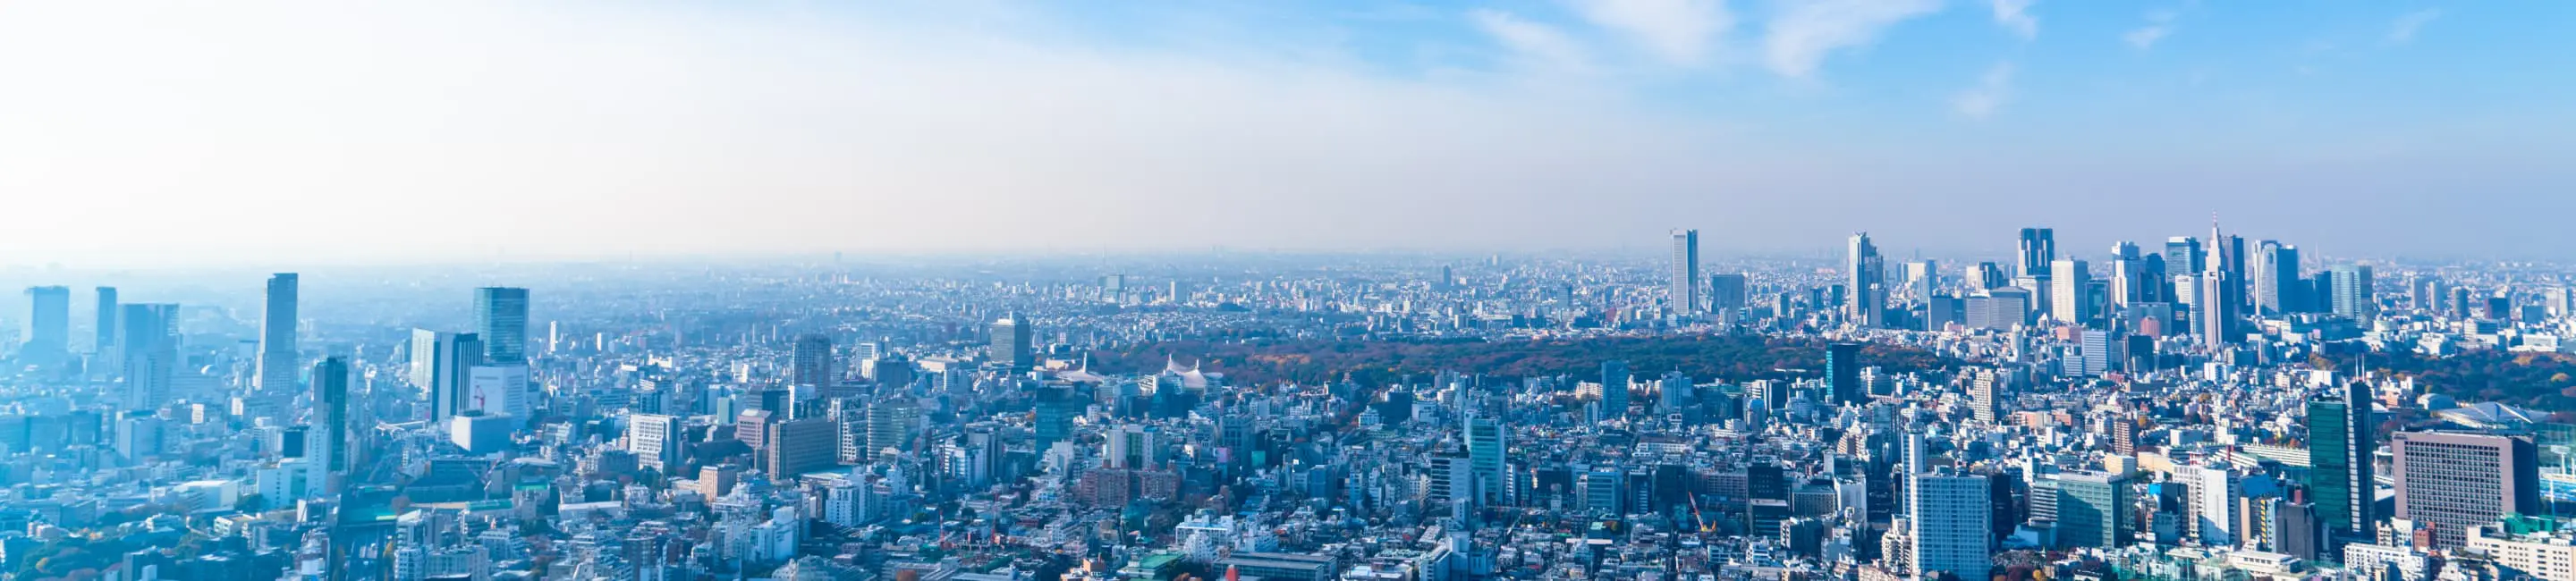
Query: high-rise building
x: 1485, y: 458
x: 148, y: 341
x: 1130, y: 446
x: 798, y: 446
x: 812, y: 363
x: 105, y: 327
x: 1985, y: 394
x: 334, y: 428
x: 1728, y: 292
x: 2001, y: 308
x: 2216, y: 302
x: 2184, y: 255
x: 889, y: 425
x: 277, y: 351
x: 1011, y: 343
x: 2070, y: 285
x: 2278, y: 286
x: 2454, y: 480
x: 2093, y: 509
x: 1865, y: 275
x: 2129, y: 281
x: 442, y: 365
x: 2038, y: 252
x: 49, y: 326
x: 2340, y: 448
x: 1951, y: 515
x: 1684, y: 290
x: 501, y: 320
x: 1922, y: 279
x: 1842, y: 374
x: 2352, y: 291
x: 1989, y: 276
x: 1614, y: 391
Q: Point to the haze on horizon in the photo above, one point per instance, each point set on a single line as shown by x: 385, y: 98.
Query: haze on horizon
x: 147, y: 134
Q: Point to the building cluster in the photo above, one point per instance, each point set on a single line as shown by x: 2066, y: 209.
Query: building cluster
x: 2209, y: 411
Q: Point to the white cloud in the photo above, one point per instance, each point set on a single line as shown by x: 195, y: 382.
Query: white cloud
x: 1992, y: 90
x: 2404, y: 29
x: 2014, y: 15
x: 1801, y: 34
x: 1534, y: 43
x: 1680, y: 32
x: 2159, y: 24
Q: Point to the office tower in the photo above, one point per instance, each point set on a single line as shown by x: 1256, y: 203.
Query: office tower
x: 2184, y: 255
x: 1011, y: 344
x: 2215, y: 301
x: 148, y: 340
x: 442, y: 365
x: 1485, y: 458
x: 2038, y: 252
x: 2129, y: 283
x: 2339, y: 454
x: 2454, y: 480
x: 1865, y: 275
x: 1614, y: 391
x: 1842, y: 374
x: 2069, y: 284
x: 1951, y: 515
x: 1684, y: 292
x: 1129, y: 446
x: 2352, y: 292
x: 49, y: 326
x: 2278, y: 286
x: 277, y: 355
x: 502, y: 390
x: 1727, y: 292
x: 1999, y: 309
x: 2093, y: 509
x: 1056, y: 409
x: 333, y: 427
x: 889, y: 425
x: 2099, y: 354
x: 501, y: 320
x: 1988, y: 275
x: 1922, y: 279
x: 655, y: 441
x: 799, y: 446
x: 1985, y: 395
x: 105, y: 327
x: 812, y: 362
x: 1940, y: 311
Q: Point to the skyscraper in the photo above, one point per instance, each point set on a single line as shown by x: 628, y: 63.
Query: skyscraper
x: 1985, y: 395
x: 2093, y: 509
x: 105, y: 326
x: 442, y: 364
x: 49, y: 326
x: 1866, y: 276
x: 2217, y: 301
x: 1011, y: 343
x: 1614, y: 391
x: 2454, y: 481
x: 1728, y: 292
x: 2184, y: 255
x: 149, y: 342
x: 2278, y: 287
x: 2069, y: 287
x: 501, y: 320
x: 277, y: 355
x: 1485, y: 459
x: 2340, y: 448
x: 799, y: 446
x: 2129, y: 283
x: 2038, y: 252
x: 812, y: 363
x: 654, y: 439
x: 1951, y: 515
x: 2352, y: 289
x: 1685, y: 272
x: 333, y: 427
x: 1842, y: 374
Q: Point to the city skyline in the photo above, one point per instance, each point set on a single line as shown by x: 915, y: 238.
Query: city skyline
x: 1406, y: 127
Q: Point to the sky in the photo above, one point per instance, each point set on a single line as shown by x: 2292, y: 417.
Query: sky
x: 143, y: 134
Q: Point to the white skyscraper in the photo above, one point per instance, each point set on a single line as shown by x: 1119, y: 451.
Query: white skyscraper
x: 1685, y: 272
x: 1951, y: 518
x: 2070, y: 292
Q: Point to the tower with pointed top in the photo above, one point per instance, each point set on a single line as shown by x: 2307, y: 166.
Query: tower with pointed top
x: 2220, y: 294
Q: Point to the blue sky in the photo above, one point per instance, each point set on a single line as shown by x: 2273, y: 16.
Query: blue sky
x: 477, y: 130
